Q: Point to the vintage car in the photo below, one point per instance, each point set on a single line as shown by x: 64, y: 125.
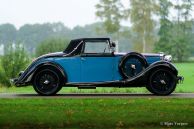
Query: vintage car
x: 92, y: 62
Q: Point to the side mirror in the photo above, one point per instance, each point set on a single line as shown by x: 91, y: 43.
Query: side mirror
x: 113, y: 44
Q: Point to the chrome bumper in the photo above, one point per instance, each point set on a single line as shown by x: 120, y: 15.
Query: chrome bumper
x: 17, y: 83
x: 13, y: 80
x: 180, y: 79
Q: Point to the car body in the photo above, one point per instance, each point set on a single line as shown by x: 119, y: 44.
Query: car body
x: 93, y: 62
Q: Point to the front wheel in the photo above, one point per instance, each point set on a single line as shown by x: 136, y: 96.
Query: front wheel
x: 162, y: 82
x: 47, y: 82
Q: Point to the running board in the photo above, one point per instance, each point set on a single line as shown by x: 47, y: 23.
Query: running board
x: 86, y: 87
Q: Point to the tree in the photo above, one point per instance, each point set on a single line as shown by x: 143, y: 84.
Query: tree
x: 165, y: 36
x: 51, y: 45
x: 30, y: 35
x: 175, y: 35
x: 111, y: 12
x: 8, y: 33
x: 182, y: 30
x: 141, y: 16
x: 180, y: 45
x: 14, y: 60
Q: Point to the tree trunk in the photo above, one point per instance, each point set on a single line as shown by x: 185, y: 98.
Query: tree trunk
x: 144, y: 42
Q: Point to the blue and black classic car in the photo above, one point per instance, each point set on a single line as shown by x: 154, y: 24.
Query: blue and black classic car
x: 92, y: 62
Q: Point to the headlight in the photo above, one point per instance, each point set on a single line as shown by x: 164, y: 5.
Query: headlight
x: 168, y: 58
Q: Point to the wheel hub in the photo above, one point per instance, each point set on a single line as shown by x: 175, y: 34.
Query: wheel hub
x: 163, y: 82
x: 46, y: 82
x: 133, y: 66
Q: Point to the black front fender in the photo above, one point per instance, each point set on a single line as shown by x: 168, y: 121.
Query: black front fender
x: 26, y: 77
x: 163, y: 64
x: 142, y: 78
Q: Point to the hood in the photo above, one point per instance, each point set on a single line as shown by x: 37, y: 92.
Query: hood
x: 145, y: 54
x: 153, y: 54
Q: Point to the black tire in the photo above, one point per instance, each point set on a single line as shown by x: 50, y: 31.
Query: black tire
x: 47, y: 82
x: 130, y: 60
x: 162, y: 82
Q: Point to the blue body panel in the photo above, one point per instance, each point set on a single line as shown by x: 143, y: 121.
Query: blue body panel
x: 90, y: 69
x: 152, y: 59
x: 97, y: 69
x: 72, y: 67
x: 93, y: 69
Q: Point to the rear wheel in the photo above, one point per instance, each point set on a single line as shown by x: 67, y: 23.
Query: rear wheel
x: 162, y: 82
x: 47, y: 82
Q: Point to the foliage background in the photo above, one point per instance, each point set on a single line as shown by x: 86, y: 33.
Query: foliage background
x: 14, y: 60
x: 153, y: 26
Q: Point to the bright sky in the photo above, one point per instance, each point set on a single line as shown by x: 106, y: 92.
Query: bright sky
x: 70, y: 12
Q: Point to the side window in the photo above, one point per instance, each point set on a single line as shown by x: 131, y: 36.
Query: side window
x: 96, y: 47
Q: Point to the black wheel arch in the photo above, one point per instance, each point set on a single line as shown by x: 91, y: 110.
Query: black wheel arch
x: 53, y: 66
x: 159, y: 65
x: 163, y: 65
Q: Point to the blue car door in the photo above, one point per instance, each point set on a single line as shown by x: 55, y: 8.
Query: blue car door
x: 97, y: 62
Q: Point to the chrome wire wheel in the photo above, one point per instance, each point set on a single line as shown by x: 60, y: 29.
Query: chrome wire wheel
x: 46, y: 82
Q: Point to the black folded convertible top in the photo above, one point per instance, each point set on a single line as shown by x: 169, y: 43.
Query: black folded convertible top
x: 74, y: 43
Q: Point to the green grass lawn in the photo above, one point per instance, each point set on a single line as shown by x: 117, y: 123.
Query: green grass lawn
x: 95, y: 113
x: 100, y: 113
x: 185, y: 69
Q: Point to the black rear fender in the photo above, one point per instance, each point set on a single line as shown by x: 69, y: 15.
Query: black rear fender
x: 52, y: 66
x: 28, y: 75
